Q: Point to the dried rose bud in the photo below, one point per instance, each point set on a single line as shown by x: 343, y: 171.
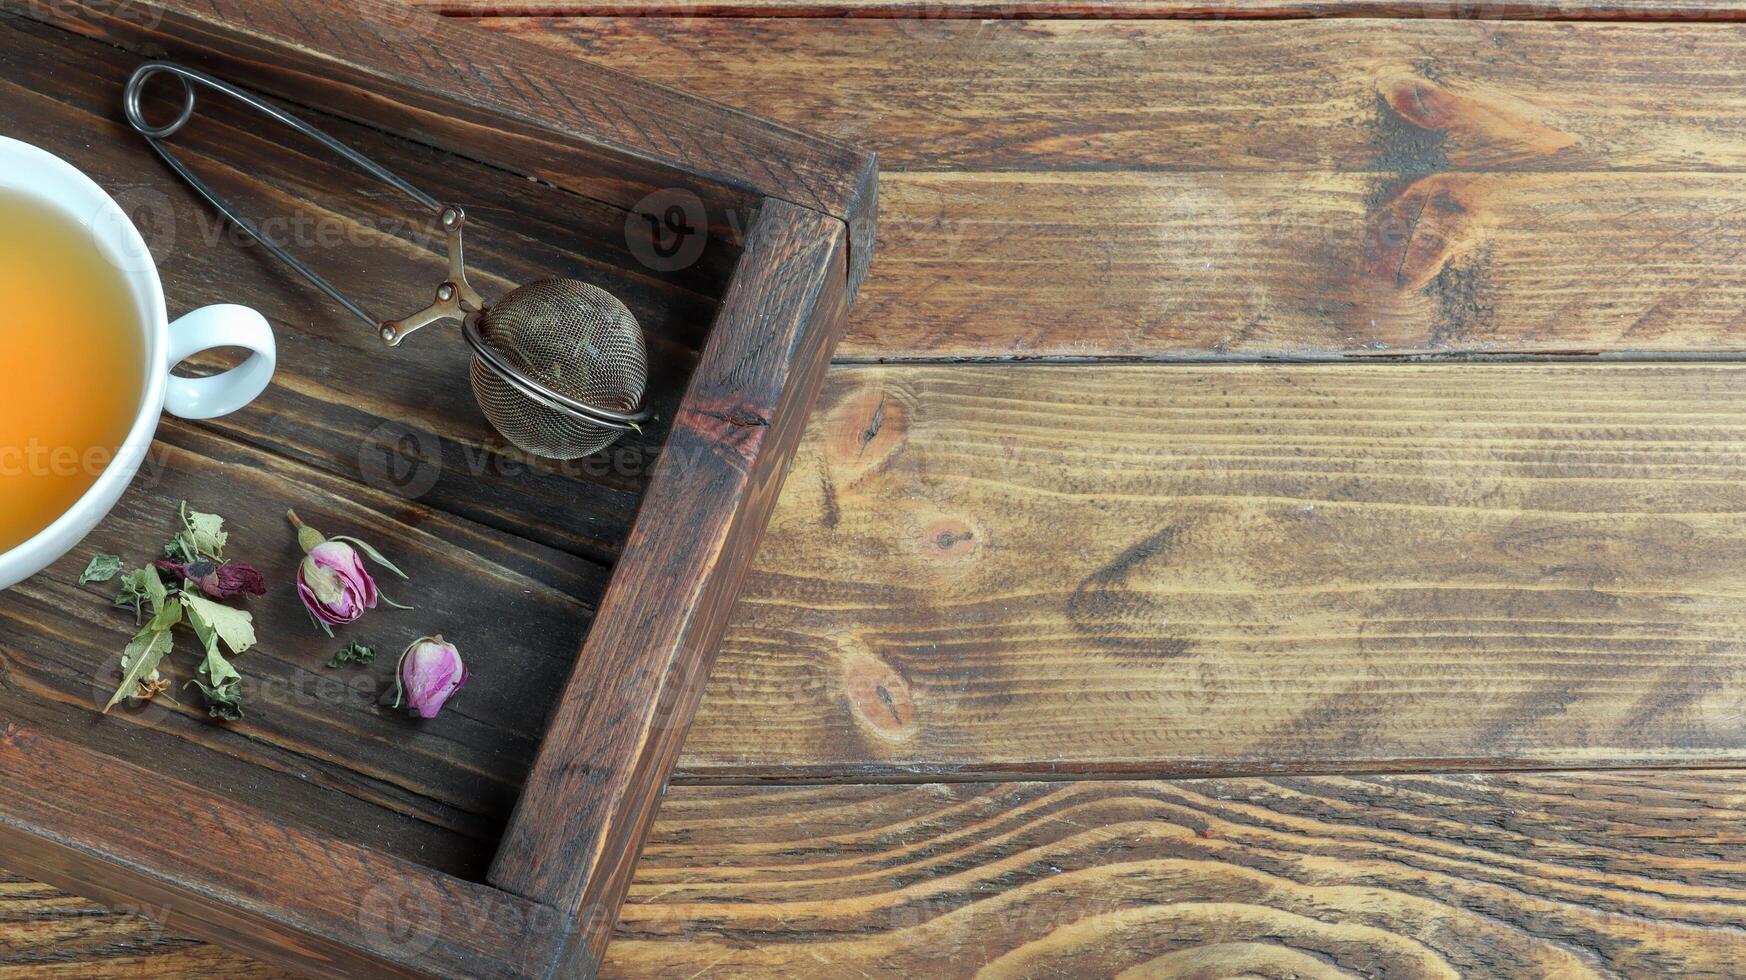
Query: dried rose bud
x: 219, y: 580
x: 334, y: 585
x: 332, y: 581
x: 430, y: 672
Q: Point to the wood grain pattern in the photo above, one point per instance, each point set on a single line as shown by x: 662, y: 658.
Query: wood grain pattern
x: 580, y: 822
x: 604, y: 134
x: 1105, y: 9
x: 1171, y: 570
x: 1579, y: 517
x: 1372, y: 96
x: 112, y: 830
x: 1616, y: 874
x: 47, y: 933
x: 1235, y: 266
x: 1535, y: 874
x: 1051, y: 247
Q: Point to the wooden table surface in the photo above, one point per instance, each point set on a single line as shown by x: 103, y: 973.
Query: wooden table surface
x: 1143, y: 597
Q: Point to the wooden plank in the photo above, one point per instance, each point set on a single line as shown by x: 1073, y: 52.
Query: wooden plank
x: 1615, y: 874
x: 1619, y: 873
x: 1178, y: 570
x: 1430, y: 249
x: 111, y: 830
x: 1370, y: 96
x: 580, y: 823
x: 1104, y: 9
x: 45, y: 933
x: 981, y: 266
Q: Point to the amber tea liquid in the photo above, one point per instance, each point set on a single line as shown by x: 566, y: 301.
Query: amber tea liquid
x: 72, y: 364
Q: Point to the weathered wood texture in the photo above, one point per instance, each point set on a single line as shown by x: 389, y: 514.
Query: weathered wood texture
x: 574, y: 841
x: 607, y: 135
x: 1545, y: 874
x: 1334, y: 188
x: 359, y: 795
x: 1106, y: 9
x: 1248, y: 568
x: 318, y: 902
x: 1624, y: 874
x: 1377, y: 96
x: 1175, y: 569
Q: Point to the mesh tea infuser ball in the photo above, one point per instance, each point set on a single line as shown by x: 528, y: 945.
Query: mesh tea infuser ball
x: 559, y: 366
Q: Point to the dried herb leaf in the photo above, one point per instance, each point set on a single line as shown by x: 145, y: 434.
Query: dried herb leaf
x: 134, y: 591
x: 154, y: 589
x: 354, y: 653
x: 234, y: 626
x: 206, y: 533
x: 168, y: 616
x: 139, y: 662
x: 213, y: 624
x: 223, y: 700
x: 217, y: 669
x: 102, y: 569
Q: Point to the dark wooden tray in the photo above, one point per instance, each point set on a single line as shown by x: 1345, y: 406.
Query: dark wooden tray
x: 326, y: 832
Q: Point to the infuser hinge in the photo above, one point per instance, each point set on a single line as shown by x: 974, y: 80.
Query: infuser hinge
x: 455, y: 298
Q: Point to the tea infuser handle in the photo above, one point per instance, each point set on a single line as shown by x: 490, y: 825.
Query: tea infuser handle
x: 221, y: 394
x: 452, y: 218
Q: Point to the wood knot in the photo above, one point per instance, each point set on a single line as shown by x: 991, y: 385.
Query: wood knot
x: 864, y: 426
x: 14, y: 735
x: 948, y: 541
x: 1418, y: 229
x: 1426, y: 126
x: 879, y: 695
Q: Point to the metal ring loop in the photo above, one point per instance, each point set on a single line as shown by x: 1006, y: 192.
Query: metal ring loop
x: 156, y: 136
x: 556, y: 401
x: 136, y: 91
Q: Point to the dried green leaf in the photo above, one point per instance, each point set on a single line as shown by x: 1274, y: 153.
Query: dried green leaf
x: 214, y: 623
x: 102, y: 569
x: 155, y: 591
x: 139, y: 661
x: 223, y: 700
x: 135, y: 592
x: 234, y: 626
x: 168, y: 616
x: 203, y: 533
x: 177, y: 550
x: 215, y: 667
x: 354, y: 653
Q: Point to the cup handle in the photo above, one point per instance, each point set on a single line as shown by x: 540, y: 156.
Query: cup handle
x: 221, y: 394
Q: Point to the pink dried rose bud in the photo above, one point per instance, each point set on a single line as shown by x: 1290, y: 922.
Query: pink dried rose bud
x: 334, y: 584
x: 430, y: 673
x: 332, y: 581
x: 219, y: 580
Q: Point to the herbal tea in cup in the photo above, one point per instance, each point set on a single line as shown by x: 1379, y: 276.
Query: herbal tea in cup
x: 75, y: 366
x: 86, y: 350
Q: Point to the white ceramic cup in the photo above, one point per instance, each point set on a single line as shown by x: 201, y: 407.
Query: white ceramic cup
x: 36, y: 173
